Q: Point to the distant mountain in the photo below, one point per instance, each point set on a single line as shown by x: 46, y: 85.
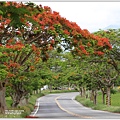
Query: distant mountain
x: 116, y: 26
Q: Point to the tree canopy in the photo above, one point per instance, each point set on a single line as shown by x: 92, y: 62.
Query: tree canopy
x: 28, y: 33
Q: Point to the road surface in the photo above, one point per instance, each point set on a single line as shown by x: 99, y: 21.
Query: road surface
x: 63, y: 105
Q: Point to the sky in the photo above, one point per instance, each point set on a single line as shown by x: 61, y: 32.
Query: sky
x: 88, y: 15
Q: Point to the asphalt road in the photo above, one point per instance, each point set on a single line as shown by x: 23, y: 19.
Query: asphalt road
x: 64, y: 106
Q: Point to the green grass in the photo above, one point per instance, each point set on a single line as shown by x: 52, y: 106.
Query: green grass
x: 115, y: 103
x: 8, y: 102
x: 114, y: 99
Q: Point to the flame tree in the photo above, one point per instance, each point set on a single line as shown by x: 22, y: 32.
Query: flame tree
x: 29, y: 31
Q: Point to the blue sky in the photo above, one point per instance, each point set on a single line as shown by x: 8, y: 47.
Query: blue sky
x: 88, y: 15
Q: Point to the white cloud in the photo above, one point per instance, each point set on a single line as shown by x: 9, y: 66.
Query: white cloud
x: 88, y: 15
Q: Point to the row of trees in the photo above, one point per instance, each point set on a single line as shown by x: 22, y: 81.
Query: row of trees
x: 28, y: 34
x: 87, y: 74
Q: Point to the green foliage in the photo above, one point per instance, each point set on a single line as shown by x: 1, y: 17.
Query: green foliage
x: 3, y: 74
x: 1, y: 13
x: 85, y: 102
x: 15, y: 14
x: 113, y: 91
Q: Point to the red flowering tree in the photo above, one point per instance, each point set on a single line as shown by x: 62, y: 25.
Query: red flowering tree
x: 29, y: 31
x: 108, y: 68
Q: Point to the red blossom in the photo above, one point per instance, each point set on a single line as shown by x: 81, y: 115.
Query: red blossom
x: 32, y: 68
x: 1, y: 26
x: 88, y: 44
x: 52, y: 41
x: 85, y: 52
x: 10, y: 40
x: 34, y: 47
x: 10, y: 75
x: 1, y: 17
x: 100, y: 43
x: 7, y: 21
x: 52, y: 28
x: 46, y: 8
x: 37, y: 53
x: 75, y: 41
x: 66, y: 32
x: 99, y: 53
x: 82, y: 47
x: 50, y: 47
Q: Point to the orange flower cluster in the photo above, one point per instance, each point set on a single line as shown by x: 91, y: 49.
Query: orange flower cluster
x: 66, y: 32
x: 46, y: 19
x: 70, y: 28
x: 35, y: 49
x: 82, y: 47
x: 32, y: 68
x: 83, y: 50
x: 50, y: 47
x: 88, y: 44
x: 37, y: 59
x: 15, y: 4
x: 10, y: 75
x: 99, y: 53
x: 52, y: 41
x: 12, y: 64
x: 17, y: 46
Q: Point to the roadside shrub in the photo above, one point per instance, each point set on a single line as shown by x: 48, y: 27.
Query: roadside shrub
x: 113, y: 91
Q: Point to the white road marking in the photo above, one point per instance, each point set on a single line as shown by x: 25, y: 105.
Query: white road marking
x: 75, y: 100
x: 37, y: 107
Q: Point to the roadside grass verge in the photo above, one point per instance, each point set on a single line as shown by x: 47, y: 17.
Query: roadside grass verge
x: 115, y: 106
x: 57, y: 91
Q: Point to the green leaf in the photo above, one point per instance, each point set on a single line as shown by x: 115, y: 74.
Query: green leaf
x: 1, y: 13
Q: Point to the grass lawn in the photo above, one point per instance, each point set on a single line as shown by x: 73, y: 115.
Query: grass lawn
x: 114, y: 99
x: 115, y: 103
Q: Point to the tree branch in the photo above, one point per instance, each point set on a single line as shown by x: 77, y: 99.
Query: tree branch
x: 27, y: 56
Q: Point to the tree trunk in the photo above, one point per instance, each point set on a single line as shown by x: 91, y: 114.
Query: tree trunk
x: 16, y: 99
x: 103, y: 97
x: 91, y: 95
x: 40, y: 90
x: 24, y: 101
x: 87, y: 94
x: 95, y: 97
x: 81, y: 93
x: 50, y: 87
x: 108, y: 97
x: 84, y: 91
x: 2, y: 98
x: 37, y: 91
